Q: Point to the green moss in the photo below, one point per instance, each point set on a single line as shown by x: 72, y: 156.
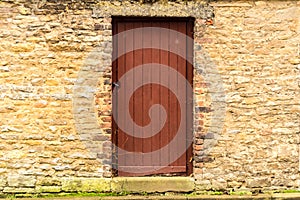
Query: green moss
x: 124, y: 193
x: 83, y: 194
x: 240, y: 193
x: 53, y: 195
x: 205, y: 193
x: 282, y: 191
x: 290, y: 191
x: 10, y: 196
x: 86, y: 185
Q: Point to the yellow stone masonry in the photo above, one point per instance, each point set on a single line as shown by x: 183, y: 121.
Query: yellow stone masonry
x: 48, y: 142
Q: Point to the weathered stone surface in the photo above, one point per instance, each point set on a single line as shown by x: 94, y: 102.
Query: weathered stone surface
x: 258, y: 182
x: 86, y: 185
x: 24, y: 11
x: 45, y: 46
x: 48, y: 189
x: 295, y: 61
x: 3, y: 181
x: 256, y: 139
x: 41, y: 104
x: 22, y: 47
x: 13, y: 190
x: 48, y: 181
x: 18, y: 180
x: 193, y: 8
x: 152, y: 184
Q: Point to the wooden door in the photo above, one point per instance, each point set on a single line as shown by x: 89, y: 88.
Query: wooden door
x: 143, y: 47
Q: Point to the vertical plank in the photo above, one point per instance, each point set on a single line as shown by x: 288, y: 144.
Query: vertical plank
x: 147, y: 101
x: 121, y: 107
x: 181, y: 87
x: 129, y: 57
x: 173, y: 103
x: 155, y: 140
x: 164, y: 93
x: 138, y: 100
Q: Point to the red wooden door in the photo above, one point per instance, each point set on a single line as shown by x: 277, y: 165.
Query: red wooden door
x: 146, y: 52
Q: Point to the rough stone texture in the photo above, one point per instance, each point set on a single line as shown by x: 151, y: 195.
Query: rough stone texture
x: 48, y: 189
x: 85, y: 185
x: 55, y: 93
x: 197, y: 9
x: 255, y: 45
x: 18, y: 180
x: 152, y: 184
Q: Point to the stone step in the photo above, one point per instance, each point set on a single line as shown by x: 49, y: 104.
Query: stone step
x: 152, y: 184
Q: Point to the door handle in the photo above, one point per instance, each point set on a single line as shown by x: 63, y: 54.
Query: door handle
x: 116, y: 84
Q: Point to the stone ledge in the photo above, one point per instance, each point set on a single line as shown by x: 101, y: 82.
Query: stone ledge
x: 279, y: 196
x: 117, y: 184
x: 86, y: 185
x: 152, y: 184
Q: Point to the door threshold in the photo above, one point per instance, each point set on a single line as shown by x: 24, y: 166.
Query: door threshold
x: 152, y: 184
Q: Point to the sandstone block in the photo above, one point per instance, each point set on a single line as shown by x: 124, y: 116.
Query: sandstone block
x: 234, y: 184
x: 3, y: 181
x: 24, y: 11
x: 22, y: 47
x: 45, y: 181
x: 48, y: 189
x: 258, y: 182
x: 203, y: 185
x: 52, y: 82
x: 295, y: 61
x: 86, y: 185
x: 219, y: 184
x: 252, y: 100
x: 152, y: 184
x: 41, y: 104
x: 13, y: 190
x: 17, y: 180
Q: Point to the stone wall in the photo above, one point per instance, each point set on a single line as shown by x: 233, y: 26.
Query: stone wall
x: 55, y: 121
x: 255, y: 45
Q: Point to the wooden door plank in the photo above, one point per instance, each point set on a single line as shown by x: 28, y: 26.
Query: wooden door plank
x: 155, y: 140
x: 147, y: 57
x: 129, y: 57
x: 121, y: 107
x: 137, y: 95
x: 164, y: 95
x: 173, y: 103
x: 181, y: 88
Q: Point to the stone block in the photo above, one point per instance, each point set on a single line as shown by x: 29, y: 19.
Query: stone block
x: 13, y: 190
x: 46, y: 181
x: 24, y: 11
x: 258, y: 182
x: 22, y: 47
x: 86, y: 184
x: 3, y: 181
x: 219, y: 184
x: 152, y: 184
x: 203, y: 185
x: 17, y: 180
x: 48, y: 189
